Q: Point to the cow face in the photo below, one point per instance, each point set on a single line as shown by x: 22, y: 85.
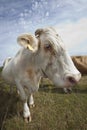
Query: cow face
x: 56, y: 62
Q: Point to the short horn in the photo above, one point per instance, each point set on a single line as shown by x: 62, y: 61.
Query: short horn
x: 38, y: 32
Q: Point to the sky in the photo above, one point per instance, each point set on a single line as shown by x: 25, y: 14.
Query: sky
x: 69, y: 17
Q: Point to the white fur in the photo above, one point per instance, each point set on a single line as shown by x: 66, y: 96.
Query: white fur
x: 31, y: 100
x: 26, y: 111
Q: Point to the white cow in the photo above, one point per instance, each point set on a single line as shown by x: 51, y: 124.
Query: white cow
x: 43, y: 54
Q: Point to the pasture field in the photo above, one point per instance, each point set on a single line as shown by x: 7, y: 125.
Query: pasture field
x: 54, y: 110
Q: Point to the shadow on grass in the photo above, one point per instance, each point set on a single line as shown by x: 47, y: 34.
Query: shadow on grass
x: 81, y: 91
x: 52, y: 89
x: 8, y: 106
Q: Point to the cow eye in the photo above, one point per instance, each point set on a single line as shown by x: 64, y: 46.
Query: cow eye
x: 48, y: 46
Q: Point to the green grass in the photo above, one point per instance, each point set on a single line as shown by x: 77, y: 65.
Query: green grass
x: 54, y: 110
x: 0, y: 69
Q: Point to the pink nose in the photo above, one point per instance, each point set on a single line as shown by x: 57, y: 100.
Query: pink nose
x: 73, y: 79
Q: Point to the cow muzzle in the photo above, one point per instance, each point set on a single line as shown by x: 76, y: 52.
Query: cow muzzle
x: 73, y: 79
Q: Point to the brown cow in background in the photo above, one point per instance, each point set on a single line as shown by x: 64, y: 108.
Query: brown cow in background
x: 80, y: 63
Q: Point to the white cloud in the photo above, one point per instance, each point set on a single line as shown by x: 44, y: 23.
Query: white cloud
x: 74, y: 34
x: 47, y: 14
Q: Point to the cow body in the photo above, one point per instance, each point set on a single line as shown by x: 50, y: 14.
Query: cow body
x: 23, y: 68
x: 43, y: 54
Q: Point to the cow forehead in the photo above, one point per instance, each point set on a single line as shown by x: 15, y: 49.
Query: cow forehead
x: 50, y: 37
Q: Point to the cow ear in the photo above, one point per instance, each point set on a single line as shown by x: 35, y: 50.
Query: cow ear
x: 28, y: 41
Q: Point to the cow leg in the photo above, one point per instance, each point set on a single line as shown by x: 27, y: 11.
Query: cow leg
x: 26, y: 113
x: 67, y: 90
x: 26, y: 110
x: 31, y: 101
x: 70, y: 90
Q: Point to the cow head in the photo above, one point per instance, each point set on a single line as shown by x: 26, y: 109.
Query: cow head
x: 56, y: 62
x: 51, y: 57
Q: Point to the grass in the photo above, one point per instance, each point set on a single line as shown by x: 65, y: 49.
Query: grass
x: 54, y: 110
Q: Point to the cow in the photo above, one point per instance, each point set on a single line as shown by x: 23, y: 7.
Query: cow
x: 81, y: 63
x: 42, y: 53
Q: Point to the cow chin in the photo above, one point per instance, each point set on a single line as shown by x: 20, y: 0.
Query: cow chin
x: 58, y: 81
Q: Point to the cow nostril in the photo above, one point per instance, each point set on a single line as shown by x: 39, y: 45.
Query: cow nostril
x: 72, y: 80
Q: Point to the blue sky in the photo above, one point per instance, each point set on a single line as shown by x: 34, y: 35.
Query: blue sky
x: 69, y: 17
